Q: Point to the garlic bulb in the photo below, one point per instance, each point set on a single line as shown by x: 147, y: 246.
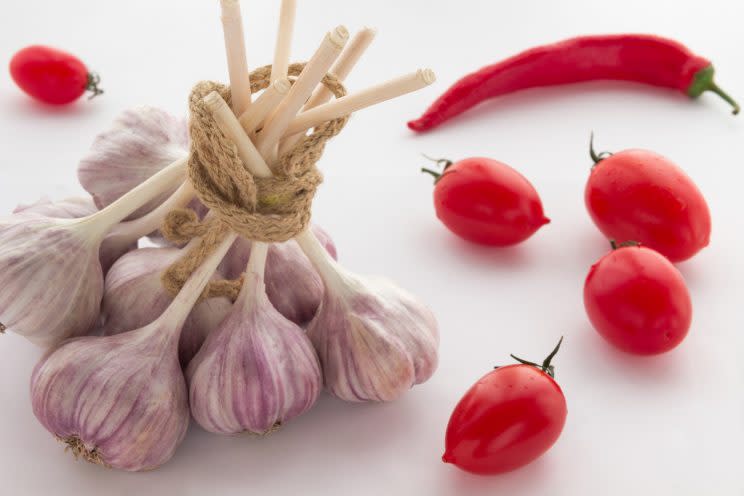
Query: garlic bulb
x: 134, y: 296
x: 52, y: 264
x: 50, y: 278
x: 141, y: 142
x: 257, y: 370
x: 121, y: 401
x: 375, y: 341
x: 75, y: 208
x: 292, y: 284
x: 69, y: 208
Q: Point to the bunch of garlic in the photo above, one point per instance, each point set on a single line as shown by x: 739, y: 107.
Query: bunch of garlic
x: 121, y: 401
x: 55, y: 262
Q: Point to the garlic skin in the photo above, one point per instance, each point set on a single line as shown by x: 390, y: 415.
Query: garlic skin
x: 133, y: 297
x: 141, y: 142
x: 256, y: 371
x: 117, y: 401
x: 375, y: 341
x: 292, y: 284
x: 69, y: 208
x: 50, y: 278
x: 121, y: 401
x: 75, y: 208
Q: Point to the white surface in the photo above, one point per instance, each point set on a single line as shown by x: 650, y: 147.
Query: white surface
x: 670, y: 425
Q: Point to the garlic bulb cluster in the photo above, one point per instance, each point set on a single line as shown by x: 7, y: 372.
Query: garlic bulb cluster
x: 134, y: 296
x: 257, y: 370
x: 121, y: 401
x: 69, y: 208
x: 293, y: 286
x: 375, y: 341
x: 53, y: 263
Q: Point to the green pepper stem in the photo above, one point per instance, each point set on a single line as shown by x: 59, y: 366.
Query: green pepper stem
x: 703, y: 81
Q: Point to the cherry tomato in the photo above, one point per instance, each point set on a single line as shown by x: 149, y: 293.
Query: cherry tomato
x: 638, y: 301
x: 486, y: 202
x: 638, y: 195
x: 507, y: 419
x: 51, y: 75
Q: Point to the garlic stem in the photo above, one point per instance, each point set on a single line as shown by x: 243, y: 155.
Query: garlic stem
x: 328, y: 269
x: 104, y: 220
x: 179, y: 309
x: 230, y: 125
x: 131, y: 231
x: 257, y: 259
x: 350, y: 55
x: 237, y: 66
x: 264, y: 104
x: 301, y: 90
x: 283, y: 39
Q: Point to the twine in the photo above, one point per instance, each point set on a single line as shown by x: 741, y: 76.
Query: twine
x: 273, y: 209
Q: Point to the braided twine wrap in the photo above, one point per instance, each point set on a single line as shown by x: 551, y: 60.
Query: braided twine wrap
x: 273, y: 209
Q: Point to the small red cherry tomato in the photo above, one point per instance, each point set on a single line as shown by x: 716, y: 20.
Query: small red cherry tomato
x: 486, y: 202
x: 638, y: 301
x: 52, y: 76
x: 638, y: 195
x: 507, y: 419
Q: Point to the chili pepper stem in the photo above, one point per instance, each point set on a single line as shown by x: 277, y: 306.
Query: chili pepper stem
x: 703, y: 81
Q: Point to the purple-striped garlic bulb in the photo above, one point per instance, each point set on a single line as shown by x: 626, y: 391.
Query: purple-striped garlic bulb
x: 51, y: 281
x: 133, y: 296
x: 121, y: 401
x: 75, y: 208
x: 257, y: 370
x: 375, y: 341
x: 292, y: 284
x: 141, y: 142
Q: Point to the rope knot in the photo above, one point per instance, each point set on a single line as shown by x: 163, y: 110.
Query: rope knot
x: 273, y: 209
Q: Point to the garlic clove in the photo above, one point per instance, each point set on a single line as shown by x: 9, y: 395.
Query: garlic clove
x: 69, y: 208
x: 375, y: 341
x: 50, y: 278
x: 117, y: 401
x: 292, y: 284
x: 134, y: 296
x: 256, y: 371
x: 141, y: 142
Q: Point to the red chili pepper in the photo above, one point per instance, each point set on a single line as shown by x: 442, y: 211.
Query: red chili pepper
x: 631, y: 57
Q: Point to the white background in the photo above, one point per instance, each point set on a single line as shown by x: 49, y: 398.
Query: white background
x: 669, y: 425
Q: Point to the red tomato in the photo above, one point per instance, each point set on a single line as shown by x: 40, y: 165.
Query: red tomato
x: 507, y: 419
x: 638, y: 301
x: 51, y: 75
x: 486, y: 202
x: 641, y: 196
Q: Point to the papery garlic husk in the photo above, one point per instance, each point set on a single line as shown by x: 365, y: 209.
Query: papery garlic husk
x: 134, y: 296
x: 141, y: 142
x: 121, y: 401
x: 256, y: 371
x: 292, y: 284
x: 50, y: 278
x: 375, y: 341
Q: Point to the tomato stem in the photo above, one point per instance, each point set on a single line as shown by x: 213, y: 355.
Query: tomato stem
x: 546, y: 366
x: 596, y: 157
x: 434, y: 173
x: 615, y: 245
x: 93, y: 81
x: 441, y: 162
